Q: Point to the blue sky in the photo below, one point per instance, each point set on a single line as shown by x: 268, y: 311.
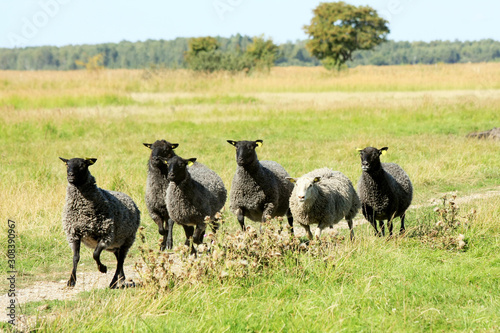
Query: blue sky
x: 63, y: 22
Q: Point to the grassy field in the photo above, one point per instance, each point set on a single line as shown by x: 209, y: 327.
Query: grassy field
x: 308, y: 118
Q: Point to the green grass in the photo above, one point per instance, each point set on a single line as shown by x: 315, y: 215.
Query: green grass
x: 413, y: 284
x: 47, y: 102
x: 371, y: 285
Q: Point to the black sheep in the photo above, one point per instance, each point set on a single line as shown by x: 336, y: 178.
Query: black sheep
x: 384, y: 189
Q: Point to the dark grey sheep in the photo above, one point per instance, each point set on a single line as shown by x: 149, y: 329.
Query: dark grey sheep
x: 259, y: 189
x: 384, y: 189
x: 102, y: 220
x: 156, y: 189
x: 192, y: 196
x: 323, y: 197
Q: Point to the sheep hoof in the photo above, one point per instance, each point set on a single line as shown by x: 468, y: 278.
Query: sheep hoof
x: 71, y: 283
x: 102, y: 269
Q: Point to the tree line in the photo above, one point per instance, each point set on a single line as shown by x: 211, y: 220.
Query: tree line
x: 173, y: 53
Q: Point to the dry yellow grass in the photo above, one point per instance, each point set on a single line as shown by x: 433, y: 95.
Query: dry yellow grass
x: 281, y: 79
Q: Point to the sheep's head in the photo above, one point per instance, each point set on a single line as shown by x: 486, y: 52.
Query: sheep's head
x: 177, y: 168
x: 245, y: 151
x: 77, y: 169
x: 305, y: 188
x: 370, y: 158
x: 160, y: 148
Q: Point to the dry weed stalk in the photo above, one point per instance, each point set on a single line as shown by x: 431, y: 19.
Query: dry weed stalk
x: 229, y: 255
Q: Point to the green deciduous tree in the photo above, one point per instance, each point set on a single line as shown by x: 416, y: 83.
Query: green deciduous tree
x: 262, y: 53
x: 338, y: 29
x: 201, y: 44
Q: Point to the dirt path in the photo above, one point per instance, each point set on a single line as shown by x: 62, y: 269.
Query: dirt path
x: 493, y: 192
x: 86, y: 281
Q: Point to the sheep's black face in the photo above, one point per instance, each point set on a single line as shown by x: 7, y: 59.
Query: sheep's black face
x: 370, y: 158
x: 245, y: 151
x: 77, y: 169
x: 160, y: 149
x: 177, y: 169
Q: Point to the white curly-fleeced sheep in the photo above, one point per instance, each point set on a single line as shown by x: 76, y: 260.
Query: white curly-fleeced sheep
x: 323, y: 197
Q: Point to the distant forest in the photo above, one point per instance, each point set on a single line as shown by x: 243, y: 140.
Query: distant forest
x: 170, y: 54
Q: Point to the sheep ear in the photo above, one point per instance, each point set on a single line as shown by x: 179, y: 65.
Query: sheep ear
x: 383, y: 151
x: 148, y: 145
x: 259, y: 143
x: 64, y: 160
x: 232, y: 142
x: 359, y: 150
x: 174, y: 145
x: 316, y: 179
x: 191, y: 161
x: 90, y: 161
x: 291, y: 179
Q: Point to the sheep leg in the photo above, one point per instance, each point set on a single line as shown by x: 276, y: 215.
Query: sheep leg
x: 267, y: 212
x: 373, y: 222
x: 119, y: 277
x: 161, y: 230
x: 308, y: 230
x: 76, y: 259
x: 199, y: 232
x: 369, y: 214
x: 189, y: 231
x: 349, y: 223
x: 163, y: 244
x: 97, y: 257
x: 170, y: 239
x: 290, y: 219
x: 389, y: 226
x: 317, y: 232
x: 241, y: 218
x: 161, y: 226
x: 402, y: 230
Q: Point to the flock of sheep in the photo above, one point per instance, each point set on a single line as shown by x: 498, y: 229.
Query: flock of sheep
x: 187, y: 192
